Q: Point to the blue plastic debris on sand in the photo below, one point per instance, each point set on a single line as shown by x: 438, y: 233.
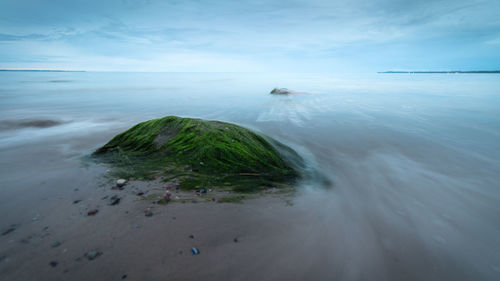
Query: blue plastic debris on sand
x: 195, y: 251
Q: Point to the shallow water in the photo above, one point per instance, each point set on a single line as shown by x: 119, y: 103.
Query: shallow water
x: 412, y: 161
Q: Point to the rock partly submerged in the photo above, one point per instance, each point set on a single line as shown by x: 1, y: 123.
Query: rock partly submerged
x: 281, y: 91
x: 28, y: 123
x: 217, y: 154
x: 285, y: 91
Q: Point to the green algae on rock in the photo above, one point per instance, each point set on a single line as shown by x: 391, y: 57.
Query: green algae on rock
x: 200, y: 154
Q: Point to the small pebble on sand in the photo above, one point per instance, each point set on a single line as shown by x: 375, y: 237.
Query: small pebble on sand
x: 115, y: 200
x: 92, y: 255
x: 121, y: 182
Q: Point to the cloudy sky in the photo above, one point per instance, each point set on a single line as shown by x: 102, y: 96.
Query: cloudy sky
x: 243, y: 35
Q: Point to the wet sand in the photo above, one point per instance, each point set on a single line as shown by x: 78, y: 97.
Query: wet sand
x: 312, y: 235
x: 232, y: 238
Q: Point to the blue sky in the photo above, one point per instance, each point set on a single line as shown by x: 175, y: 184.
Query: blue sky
x: 262, y: 36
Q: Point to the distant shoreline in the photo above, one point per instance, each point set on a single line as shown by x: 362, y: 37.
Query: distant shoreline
x: 441, y: 72
x: 39, y: 70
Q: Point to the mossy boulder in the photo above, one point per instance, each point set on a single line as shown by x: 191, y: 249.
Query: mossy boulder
x: 201, y: 153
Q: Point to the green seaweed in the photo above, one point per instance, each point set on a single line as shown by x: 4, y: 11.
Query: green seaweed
x: 216, y: 153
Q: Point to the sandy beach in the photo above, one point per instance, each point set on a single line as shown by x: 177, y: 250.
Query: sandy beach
x: 275, y: 236
x: 233, y: 238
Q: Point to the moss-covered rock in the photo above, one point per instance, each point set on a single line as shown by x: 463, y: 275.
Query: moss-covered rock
x: 200, y: 152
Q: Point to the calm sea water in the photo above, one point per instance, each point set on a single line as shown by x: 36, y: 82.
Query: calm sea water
x: 412, y: 161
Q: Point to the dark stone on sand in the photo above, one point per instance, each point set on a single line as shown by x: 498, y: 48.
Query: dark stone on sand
x: 235, y: 240
x: 115, y: 200
x: 140, y: 193
x: 148, y: 214
x: 56, y: 244
x: 8, y: 230
x: 53, y: 263
x: 124, y: 276
x: 191, y: 236
x: 92, y: 255
x: 92, y: 212
x: 77, y: 201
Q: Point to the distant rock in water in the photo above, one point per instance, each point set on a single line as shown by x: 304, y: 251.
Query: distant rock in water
x: 281, y: 91
x: 219, y: 154
x: 284, y: 91
x: 19, y: 124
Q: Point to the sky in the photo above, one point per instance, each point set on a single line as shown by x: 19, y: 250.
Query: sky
x: 250, y: 36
